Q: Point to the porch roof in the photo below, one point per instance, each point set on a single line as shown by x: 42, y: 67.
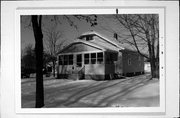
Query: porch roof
x: 97, y: 46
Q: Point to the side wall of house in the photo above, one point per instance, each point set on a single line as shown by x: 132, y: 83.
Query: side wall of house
x: 133, y: 63
x: 119, y: 64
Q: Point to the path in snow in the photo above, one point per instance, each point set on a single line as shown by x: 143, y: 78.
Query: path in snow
x: 136, y: 91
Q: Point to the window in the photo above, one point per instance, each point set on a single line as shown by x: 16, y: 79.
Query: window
x: 88, y: 38
x: 70, y: 61
x: 86, y: 58
x: 82, y: 37
x: 93, y: 58
x: 65, y: 59
x: 79, y: 60
x: 100, y: 58
x: 129, y: 61
x: 61, y: 60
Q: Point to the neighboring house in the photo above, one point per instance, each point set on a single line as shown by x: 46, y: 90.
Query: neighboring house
x: 93, y: 56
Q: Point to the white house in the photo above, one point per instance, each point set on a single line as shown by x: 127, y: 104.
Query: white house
x: 93, y: 56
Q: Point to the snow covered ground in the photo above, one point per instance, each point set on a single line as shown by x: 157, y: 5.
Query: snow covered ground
x: 136, y: 91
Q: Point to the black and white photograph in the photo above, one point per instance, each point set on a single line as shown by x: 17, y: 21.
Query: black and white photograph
x: 96, y: 58
x: 93, y: 60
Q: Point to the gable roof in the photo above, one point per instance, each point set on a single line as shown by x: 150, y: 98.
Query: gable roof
x: 114, y: 43
x: 118, y: 45
x: 87, y: 43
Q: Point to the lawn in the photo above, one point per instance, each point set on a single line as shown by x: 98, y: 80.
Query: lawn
x: 138, y: 91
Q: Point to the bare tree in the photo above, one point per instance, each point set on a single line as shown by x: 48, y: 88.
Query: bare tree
x: 142, y: 30
x: 36, y: 22
x: 52, y: 44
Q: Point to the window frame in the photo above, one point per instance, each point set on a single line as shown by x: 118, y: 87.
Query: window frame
x: 61, y: 57
x: 87, y: 59
x: 89, y: 38
x: 78, y: 63
x: 70, y: 61
x: 65, y: 60
x: 100, y: 58
x: 129, y: 61
x: 94, y: 58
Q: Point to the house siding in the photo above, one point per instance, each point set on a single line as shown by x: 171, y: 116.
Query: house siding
x: 102, y: 42
x: 95, y: 69
x: 79, y: 47
x: 119, y: 64
x: 135, y: 66
x: 116, y: 60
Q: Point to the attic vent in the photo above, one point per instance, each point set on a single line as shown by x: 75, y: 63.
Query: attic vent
x: 87, y: 37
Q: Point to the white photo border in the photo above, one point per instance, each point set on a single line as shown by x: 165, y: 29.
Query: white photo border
x: 90, y: 10
x: 10, y: 95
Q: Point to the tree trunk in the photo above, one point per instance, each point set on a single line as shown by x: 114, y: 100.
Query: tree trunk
x: 39, y: 60
x: 154, y: 68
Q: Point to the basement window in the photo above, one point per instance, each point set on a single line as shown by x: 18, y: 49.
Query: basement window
x: 93, y: 58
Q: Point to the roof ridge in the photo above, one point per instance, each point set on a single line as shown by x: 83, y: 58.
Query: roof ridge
x: 88, y: 43
x: 103, y: 37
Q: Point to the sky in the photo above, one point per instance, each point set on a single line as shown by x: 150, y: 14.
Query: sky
x: 106, y: 25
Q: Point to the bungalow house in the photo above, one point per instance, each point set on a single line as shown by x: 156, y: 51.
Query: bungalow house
x: 93, y: 56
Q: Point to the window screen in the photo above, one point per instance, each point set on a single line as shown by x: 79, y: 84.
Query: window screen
x: 79, y: 60
x: 70, y: 61
x: 100, y: 58
x: 61, y: 60
x: 86, y: 58
x: 93, y: 58
x: 65, y: 59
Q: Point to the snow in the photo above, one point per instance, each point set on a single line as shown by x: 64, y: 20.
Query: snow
x: 137, y: 91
